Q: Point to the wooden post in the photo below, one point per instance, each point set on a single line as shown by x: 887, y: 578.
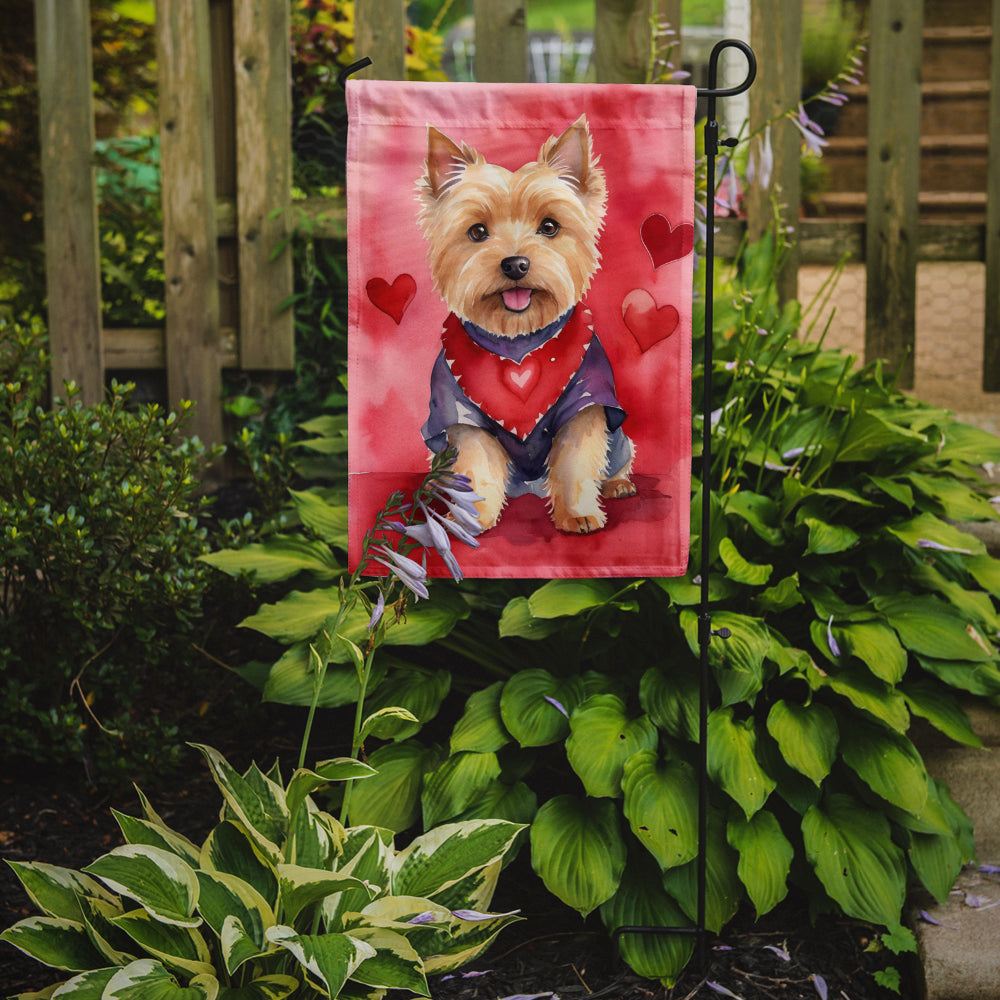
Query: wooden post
x: 190, y: 254
x: 501, y: 41
x: 622, y: 40
x: 262, y: 61
x: 776, y: 35
x: 991, y: 333
x: 893, y: 184
x: 72, y: 255
x: 380, y: 34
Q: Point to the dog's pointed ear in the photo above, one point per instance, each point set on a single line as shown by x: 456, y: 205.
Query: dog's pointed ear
x: 571, y: 153
x: 446, y: 161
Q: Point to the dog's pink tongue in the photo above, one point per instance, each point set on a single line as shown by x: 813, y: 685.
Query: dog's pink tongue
x: 517, y: 299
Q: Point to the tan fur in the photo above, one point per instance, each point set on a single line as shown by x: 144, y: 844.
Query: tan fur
x: 475, y: 215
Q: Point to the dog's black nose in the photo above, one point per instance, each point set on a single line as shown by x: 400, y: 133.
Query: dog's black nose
x: 515, y: 267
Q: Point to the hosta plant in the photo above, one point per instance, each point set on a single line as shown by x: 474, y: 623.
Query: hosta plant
x: 279, y: 900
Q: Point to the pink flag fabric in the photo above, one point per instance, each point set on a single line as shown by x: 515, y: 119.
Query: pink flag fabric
x: 520, y: 262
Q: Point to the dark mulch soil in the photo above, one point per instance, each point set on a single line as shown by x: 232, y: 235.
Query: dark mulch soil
x: 551, y: 951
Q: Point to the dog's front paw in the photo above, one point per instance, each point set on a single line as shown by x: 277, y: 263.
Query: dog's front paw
x: 617, y: 489
x: 580, y: 524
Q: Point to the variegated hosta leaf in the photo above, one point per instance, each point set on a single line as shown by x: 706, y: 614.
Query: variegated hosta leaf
x: 467, y: 940
x: 765, y: 858
x: 99, y: 915
x: 230, y: 849
x: 158, y: 880
x: 807, y: 736
x: 476, y: 890
x: 456, y: 784
x: 367, y: 853
x: 225, y: 897
x: 329, y: 959
x: 256, y: 801
x: 56, y: 891
x: 304, y: 782
x: 86, y: 986
x: 578, y: 851
x: 315, y: 838
x: 441, y: 857
x: 888, y: 763
x: 481, y: 727
x: 141, y: 831
x: 732, y: 760
x: 395, y: 964
x: 54, y: 941
x: 850, y: 847
x: 177, y: 947
x: 602, y: 737
x: 274, y: 987
x: 535, y: 706
x: 642, y: 902
x: 301, y: 887
x: 149, y: 980
x: 661, y: 805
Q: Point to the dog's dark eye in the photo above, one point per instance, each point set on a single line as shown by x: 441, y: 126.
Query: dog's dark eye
x: 549, y: 227
x: 478, y: 233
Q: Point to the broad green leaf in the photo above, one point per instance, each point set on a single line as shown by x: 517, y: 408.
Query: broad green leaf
x: 739, y: 569
x: 828, y: 539
x: 260, y: 809
x: 481, y: 728
x: 292, y: 680
x: 163, y: 884
x: 976, y: 678
x: 723, y: 889
x: 851, y: 850
x: 274, y: 987
x: 758, y: 511
x: 230, y: 849
x: 438, y: 859
x: 418, y: 690
x: 893, y: 488
x: 181, y: 948
x: 732, y: 760
x: 385, y: 723
x: 941, y: 709
x: 578, y: 851
x: 640, y: 901
x: 870, y: 435
x: 301, y: 887
x: 986, y: 571
x: 783, y: 595
x: 972, y: 445
x: 56, y: 891
x: 928, y: 528
x: 661, y: 800
x: 395, y: 964
x: 765, y: 858
x: 327, y: 520
x: 931, y: 628
x: 54, y: 941
x: 888, y: 763
x: 937, y: 859
x: 976, y: 605
x: 876, y: 645
x: 866, y: 692
x: 516, y: 803
x: 391, y: 798
x: 330, y: 959
x: 602, y: 738
x: 517, y: 620
x: 535, y: 706
x: 279, y: 558
x: 142, y: 831
x: 456, y: 784
x: 738, y: 661
x: 147, y: 979
x: 957, y: 501
x: 561, y: 598
x: 671, y: 699
x: 807, y: 736
x: 685, y: 593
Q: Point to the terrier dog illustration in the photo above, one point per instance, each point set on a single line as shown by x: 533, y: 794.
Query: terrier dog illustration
x: 522, y: 388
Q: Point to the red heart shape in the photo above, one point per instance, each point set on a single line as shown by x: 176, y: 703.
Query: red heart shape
x: 665, y: 243
x: 392, y: 299
x: 520, y: 378
x: 647, y: 323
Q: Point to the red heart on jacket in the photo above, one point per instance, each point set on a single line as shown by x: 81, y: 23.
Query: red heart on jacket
x: 664, y: 242
x: 392, y: 299
x: 647, y: 323
x: 521, y: 378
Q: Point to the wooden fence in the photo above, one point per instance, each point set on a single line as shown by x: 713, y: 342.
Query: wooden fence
x: 226, y: 160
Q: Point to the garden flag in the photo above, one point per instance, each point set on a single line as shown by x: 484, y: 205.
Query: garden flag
x: 520, y: 265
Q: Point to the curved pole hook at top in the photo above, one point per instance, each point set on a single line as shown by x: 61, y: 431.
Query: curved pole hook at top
x: 353, y: 68
x: 713, y: 69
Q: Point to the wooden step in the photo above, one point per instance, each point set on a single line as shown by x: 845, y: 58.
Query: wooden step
x: 957, y: 206
x: 956, y: 53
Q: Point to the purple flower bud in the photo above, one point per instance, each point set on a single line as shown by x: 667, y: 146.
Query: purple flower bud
x: 834, y: 648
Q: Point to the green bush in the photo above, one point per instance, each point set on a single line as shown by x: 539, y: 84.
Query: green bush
x: 101, y: 584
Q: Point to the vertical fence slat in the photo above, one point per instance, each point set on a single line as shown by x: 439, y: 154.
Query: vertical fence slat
x: 380, y: 34
x: 621, y: 40
x: 892, y: 215
x: 190, y: 253
x: 72, y: 257
x: 991, y: 332
x: 261, y: 57
x: 501, y: 41
x: 776, y: 35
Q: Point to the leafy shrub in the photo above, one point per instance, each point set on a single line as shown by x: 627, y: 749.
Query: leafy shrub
x: 279, y: 899
x: 854, y: 602
x: 99, y: 539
